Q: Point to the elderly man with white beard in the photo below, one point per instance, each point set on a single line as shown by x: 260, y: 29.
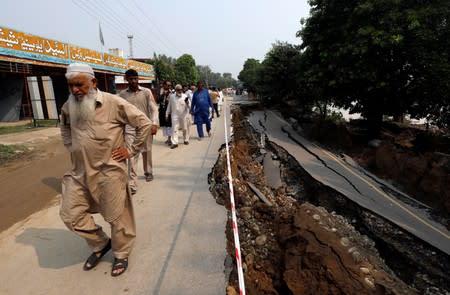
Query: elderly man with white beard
x: 178, y: 108
x: 92, y: 129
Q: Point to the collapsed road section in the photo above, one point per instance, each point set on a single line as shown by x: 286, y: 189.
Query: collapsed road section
x: 330, y: 171
x: 301, y: 236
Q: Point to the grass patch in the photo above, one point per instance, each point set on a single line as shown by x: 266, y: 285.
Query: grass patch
x: 46, y: 123
x: 11, y: 152
x: 27, y: 127
x: 15, y: 129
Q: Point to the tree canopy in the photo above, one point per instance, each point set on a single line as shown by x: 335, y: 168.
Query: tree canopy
x: 386, y: 57
x: 183, y: 70
x: 250, y: 74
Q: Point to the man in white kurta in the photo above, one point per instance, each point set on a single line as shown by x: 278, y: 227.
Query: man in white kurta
x: 92, y: 129
x: 178, y: 108
x: 142, y: 98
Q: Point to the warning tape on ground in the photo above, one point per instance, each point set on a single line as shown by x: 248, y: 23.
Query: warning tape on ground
x: 234, y: 226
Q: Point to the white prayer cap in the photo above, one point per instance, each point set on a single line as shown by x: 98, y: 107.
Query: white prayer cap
x: 80, y: 68
x: 178, y: 86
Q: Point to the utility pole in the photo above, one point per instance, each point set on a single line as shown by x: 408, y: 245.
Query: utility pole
x: 130, y: 41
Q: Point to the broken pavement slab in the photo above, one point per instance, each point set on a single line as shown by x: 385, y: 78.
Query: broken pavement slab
x: 272, y: 171
x: 260, y: 195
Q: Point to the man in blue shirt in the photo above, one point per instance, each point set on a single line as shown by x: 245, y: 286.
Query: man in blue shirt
x: 201, y: 105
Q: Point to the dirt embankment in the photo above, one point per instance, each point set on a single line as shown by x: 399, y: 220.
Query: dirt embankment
x: 290, y: 246
x: 417, y: 161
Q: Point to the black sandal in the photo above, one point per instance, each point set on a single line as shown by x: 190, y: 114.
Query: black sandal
x: 119, y: 264
x: 93, y: 260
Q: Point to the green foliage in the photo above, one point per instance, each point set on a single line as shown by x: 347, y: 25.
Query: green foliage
x: 379, y: 57
x: 386, y: 57
x: 226, y: 80
x: 14, y: 129
x: 205, y: 73
x: 277, y: 75
x: 10, y: 152
x: 164, y: 67
x: 28, y: 127
x: 186, y: 72
x: 249, y: 74
x: 216, y: 79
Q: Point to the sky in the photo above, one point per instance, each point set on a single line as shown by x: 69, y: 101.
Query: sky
x: 220, y: 34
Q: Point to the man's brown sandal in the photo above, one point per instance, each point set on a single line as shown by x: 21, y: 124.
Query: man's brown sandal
x: 119, y: 264
x: 93, y: 260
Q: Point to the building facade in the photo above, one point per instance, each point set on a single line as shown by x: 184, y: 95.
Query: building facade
x: 32, y: 68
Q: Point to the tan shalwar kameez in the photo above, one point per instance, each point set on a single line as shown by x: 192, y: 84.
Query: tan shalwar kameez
x: 96, y: 183
x: 144, y: 101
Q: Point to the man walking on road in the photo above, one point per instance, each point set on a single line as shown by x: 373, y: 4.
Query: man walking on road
x: 163, y: 101
x: 214, y: 94
x: 178, y: 108
x: 190, y: 94
x: 201, y: 105
x: 92, y: 129
x: 141, y: 98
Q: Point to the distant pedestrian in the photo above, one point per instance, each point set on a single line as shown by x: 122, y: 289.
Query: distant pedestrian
x: 142, y: 98
x: 221, y: 98
x: 163, y: 101
x: 178, y: 108
x: 190, y: 94
x: 214, y: 94
x: 201, y: 106
x: 92, y: 129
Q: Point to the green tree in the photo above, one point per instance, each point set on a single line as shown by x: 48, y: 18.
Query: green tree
x: 428, y: 44
x: 277, y: 75
x: 249, y: 74
x: 164, y: 67
x: 226, y: 81
x: 185, y: 70
x: 205, y: 73
x: 378, y: 57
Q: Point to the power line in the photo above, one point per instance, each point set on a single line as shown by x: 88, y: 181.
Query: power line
x: 96, y: 17
x: 139, y: 20
x: 117, y: 17
x: 113, y: 23
x: 154, y: 24
x: 88, y: 12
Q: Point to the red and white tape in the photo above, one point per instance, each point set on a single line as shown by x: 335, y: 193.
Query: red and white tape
x: 234, y: 226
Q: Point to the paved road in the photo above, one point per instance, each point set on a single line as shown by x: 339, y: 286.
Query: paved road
x: 344, y: 178
x: 180, y: 247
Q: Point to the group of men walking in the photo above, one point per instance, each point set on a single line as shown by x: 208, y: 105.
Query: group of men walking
x: 105, y: 134
x: 182, y: 106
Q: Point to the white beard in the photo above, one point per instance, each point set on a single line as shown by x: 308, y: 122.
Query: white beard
x: 82, y: 109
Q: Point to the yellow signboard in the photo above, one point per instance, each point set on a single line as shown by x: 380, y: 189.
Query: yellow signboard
x: 85, y: 55
x: 14, y: 44
x: 15, y: 40
x: 140, y: 66
x: 114, y: 61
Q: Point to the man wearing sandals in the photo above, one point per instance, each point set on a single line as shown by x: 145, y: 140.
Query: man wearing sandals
x: 92, y: 129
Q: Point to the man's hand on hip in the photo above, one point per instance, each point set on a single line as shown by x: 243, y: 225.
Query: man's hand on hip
x: 154, y: 129
x: 120, y: 154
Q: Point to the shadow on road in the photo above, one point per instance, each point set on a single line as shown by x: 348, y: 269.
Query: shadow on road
x: 54, y: 183
x: 55, y: 248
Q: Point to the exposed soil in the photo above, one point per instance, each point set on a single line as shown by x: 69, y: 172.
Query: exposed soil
x: 308, y: 239
x: 414, y: 159
x: 38, y: 173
